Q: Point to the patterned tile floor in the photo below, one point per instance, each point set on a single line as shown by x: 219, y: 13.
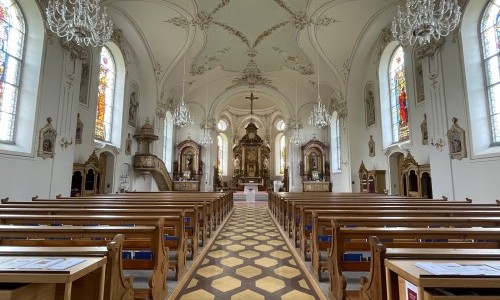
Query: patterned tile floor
x: 248, y: 260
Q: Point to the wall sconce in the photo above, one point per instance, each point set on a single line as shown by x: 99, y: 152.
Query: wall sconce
x: 439, y: 143
x: 65, y: 143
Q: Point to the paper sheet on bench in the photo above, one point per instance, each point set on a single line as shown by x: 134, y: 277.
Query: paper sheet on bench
x: 458, y: 269
x: 48, y: 263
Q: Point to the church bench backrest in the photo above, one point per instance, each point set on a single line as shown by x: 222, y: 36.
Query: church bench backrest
x: 355, y: 239
x: 77, y: 236
x: 373, y: 287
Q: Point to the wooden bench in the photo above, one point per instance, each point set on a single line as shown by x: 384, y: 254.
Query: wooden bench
x: 355, y: 239
x: 373, y: 287
x: 117, y: 286
x: 83, y: 236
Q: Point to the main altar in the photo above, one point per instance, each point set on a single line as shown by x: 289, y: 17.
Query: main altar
x: 251, y: 158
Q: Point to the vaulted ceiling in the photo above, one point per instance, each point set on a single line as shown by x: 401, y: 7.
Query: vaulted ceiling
x: 265, y: 46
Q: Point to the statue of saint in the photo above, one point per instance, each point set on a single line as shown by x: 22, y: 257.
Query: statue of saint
x: 237, y: 163
x: 132, y: 110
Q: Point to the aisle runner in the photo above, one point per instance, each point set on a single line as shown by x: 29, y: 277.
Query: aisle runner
x: 249, y: 260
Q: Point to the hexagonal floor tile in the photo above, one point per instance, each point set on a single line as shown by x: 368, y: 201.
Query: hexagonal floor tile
x: 287, y: 272
x: 266, y: 262
x: 209, y: 271
x: 270, y: 284
x: 272, y: 233
x: 192, y: 283
x: 276, y: 242
x: 249, y: 234
x: 248, y: 271
x: 262, y: 238
x: 303, y: 284
x: 226, y: 283
x: 263, y: 248
x: 218, y: 254
x: 231, y: 261
x: 235, y: 247
x: 237, y: 238
x: 296, y: 295
x: 249, y: 242
x: 292, y: 262
x: 198, y: 295
x: 260, y: 230
x: 280, y: 254
x: 250, y: 228
x: 248, y: 254
x: 223, y: 242
x: 228, y: 233
x: 247, y: 295
x: 239, y: 230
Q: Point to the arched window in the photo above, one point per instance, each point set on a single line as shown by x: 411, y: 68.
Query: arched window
x: 490, y: 33
x: 105, y: 96
x: 222, y: 150
x: 397, y: 91
x: 280, y: 125
x: 222, y: 125
x: 110, y: 95
x: 12, y: 31
x: 335, y: 140
x: 282, y: 160
x: 168, y: 132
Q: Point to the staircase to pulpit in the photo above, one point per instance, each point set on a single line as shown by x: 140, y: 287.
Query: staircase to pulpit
x: 145, y: 162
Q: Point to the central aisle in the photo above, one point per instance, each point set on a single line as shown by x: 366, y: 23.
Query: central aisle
x: 248, y: 260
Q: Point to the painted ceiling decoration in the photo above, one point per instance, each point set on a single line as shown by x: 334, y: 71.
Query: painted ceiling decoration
x: 266, y: 26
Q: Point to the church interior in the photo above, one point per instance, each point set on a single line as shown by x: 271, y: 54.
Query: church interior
x: 253, y: 107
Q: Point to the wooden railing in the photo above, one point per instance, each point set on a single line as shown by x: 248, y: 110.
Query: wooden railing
x: 152, y: 164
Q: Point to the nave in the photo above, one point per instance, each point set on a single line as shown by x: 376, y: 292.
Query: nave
x: 249, y: 259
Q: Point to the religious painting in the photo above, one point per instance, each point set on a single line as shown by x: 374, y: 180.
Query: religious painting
x: 425, y: 133
x: 369, y: 105
x: 47, y: 140
x: 399, y: 100
x: 371, y: 147
x: 128, y: 145
x: 419, y: 81
x: 79, y: 129
x: 84, y: 80
x: 133, y: 105
x: 456, y: 141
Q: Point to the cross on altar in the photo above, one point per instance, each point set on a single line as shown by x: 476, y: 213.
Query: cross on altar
x: 251, y: 98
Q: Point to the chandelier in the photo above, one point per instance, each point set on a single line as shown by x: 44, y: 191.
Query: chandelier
x: 80, y: 21
x: 296, y: 136
x: 319, y: 115
x: 422, y: 21
x: 206, y: 136
x: 182, y: 115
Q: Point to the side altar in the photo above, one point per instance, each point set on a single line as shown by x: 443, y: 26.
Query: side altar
x: 251, y: 159
x: 314, y: 167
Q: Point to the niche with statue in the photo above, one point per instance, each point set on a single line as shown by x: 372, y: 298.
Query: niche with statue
x: 314, y: 167
x: 189, y: 166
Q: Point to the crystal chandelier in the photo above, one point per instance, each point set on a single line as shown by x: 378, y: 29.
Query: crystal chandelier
x: 296, y: 136
x: 182, y: 115
x: 319, y: 115
x: 422, y: 21
x: 80, y: 21
x: 206, y: 136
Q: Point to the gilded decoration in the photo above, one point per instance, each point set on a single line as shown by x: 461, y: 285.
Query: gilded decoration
x: 314, y: 165
x: 47, y: 140
x: 456, y: 141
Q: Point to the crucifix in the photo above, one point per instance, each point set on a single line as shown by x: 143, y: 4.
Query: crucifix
x: 251, y: 98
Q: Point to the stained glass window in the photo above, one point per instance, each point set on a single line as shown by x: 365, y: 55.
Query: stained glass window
x: 399, y: 101
x: 12, y: 31
x: 105, y: 96
x: 490, y: 35
x: 282, y: 154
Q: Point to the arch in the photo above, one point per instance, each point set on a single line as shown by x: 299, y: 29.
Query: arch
x: 110, y: 96
x: 476, y: 81
x: 19, y: 139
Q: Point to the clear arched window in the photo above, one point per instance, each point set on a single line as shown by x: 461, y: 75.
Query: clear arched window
x: 105, y: 96
x: 12, y: 36
x: 222, y: 150
x: 490, y: 36
x: 335, y: 139
x: 222, y: 125
x: 282, y: 155
x: 399, y: 101
x: 280, y: 125
x: 168, y: 132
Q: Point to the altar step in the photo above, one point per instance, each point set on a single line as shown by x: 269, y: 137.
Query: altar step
x: 240, y: 196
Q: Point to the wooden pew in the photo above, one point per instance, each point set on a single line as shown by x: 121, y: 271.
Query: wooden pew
x: 426, y: 220
x: 21, y: 235
x: 174, y: 234
x: 373, y: 287
x: 117, y: 286
x: 166, y: 211
x: 355, y: 239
